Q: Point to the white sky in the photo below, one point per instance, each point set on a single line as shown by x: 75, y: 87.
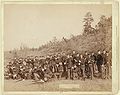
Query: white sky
x: 35, y: 25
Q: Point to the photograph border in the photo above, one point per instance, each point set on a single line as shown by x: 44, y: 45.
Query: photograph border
x: 115, y: 43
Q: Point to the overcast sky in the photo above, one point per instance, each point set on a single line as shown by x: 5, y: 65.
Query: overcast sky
x: 35, y: 25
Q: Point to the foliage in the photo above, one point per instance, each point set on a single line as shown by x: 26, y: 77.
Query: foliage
x: 88, y: 19
x: 92, y: 39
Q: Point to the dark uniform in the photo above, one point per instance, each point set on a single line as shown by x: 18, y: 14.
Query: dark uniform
x: 106, y: 65
x: 70, y: 64
x: 65, y: 66
x: 82, y: 66
x: 99, y: 63
x: 93, y: 61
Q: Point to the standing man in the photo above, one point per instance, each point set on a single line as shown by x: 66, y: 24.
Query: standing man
x: 86, y: 59
x: 74, y: 57
x: 69, y: 62
x: 82, y: 65
x: 99, y: 63
x: 93, y: 61
x: 106, y: 63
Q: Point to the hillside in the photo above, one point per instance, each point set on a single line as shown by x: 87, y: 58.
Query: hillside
x: 92, y: 40
x: 80, y: 43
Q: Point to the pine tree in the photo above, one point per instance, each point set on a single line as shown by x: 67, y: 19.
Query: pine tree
x: 88, y: 19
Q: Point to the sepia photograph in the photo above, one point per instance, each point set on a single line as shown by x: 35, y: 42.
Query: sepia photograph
x: 58, y: 47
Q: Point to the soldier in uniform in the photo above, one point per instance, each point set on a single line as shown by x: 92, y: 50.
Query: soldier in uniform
x: 38, y: 74
x: 93, y: 61
x: 106, y: 64
x: 79, y: 69
x: 59, y: 65
x: 64, y: 64
x: 36, y: 61
x: 74, y: 57
x: 103, y: 67
x: 78, y: 62
x: 57, y: 71
x: 75, y: 71
x: 53, y: 65
x: 99, y: 63
x: 60, y: 68
x: 86, y: 59
x: 47, y: 73
x: 90, y: 67
x: 70, y: 64
x: 82, y: 65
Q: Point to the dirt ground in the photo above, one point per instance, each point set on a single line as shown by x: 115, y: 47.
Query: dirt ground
x: 59, y: 85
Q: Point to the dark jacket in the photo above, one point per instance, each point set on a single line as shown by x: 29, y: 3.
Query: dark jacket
x: 99, y: 59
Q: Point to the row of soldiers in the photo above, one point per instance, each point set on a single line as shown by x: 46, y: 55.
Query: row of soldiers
x: 69, y: 66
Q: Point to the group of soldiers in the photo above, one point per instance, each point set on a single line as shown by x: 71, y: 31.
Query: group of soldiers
x: 60, y: 66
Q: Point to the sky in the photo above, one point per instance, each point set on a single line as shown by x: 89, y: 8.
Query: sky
x: 37, y: 24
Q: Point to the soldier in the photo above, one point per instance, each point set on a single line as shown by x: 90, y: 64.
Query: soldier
x: 86, y: 59
x: 57, y: 71
x: 10, y: 69
x: 47, y: 60
x: 64, y: 64
x: 103, y: 67
x: 77, y: 58
x: 72, y: 69
x: 90, y: 66
x: 93, y: 60
x: 74, y: 57
x: 22, y: 72
x: 47, y: 73
x: 75, y: 72
x: 36, y: 61
x: 79, y: 69
x: 30, y: 61
x: 106, y: 64
x: 37, y: 72
x: 53, y: 65
x: 69, y: 62
x: 78, y: 62
x: 30, y: 74
x: 60, y: 68
x: 65, y: 67
x: 82, y: 65
x: 99, y: 63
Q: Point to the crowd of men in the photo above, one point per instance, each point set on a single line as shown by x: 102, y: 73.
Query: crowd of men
x: 60, y: 66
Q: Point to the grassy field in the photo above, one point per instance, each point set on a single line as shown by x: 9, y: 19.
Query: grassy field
x: 59, y: 85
